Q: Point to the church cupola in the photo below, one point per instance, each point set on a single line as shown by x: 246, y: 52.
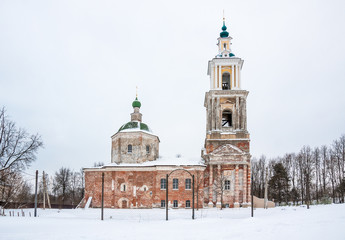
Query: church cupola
x: 134, y: 142
x: 136, y: 115
x: 224, y: 34
x: 225, y: 69
x: 224, y: 43
x: 136, y: 103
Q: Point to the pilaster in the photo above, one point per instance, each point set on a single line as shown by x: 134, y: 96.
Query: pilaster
x: 219, y: 203
x: 210, y: 188
x: 245, y: 185
x: 236, y: 203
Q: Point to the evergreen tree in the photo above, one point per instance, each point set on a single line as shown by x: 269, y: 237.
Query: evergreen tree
x: 279, y: 184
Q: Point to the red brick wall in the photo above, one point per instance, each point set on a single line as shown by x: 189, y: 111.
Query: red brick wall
x: 113, y: 196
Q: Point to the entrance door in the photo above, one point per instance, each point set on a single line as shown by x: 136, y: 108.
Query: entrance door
x: 124, y: 204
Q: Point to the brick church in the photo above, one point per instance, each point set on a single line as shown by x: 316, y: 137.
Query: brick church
x: 136, y: 176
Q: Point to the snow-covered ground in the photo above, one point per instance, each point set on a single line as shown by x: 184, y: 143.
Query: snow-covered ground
x: 319, y: 222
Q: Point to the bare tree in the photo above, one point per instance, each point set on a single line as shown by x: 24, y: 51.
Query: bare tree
x: 76, y: 188
x: 62, y: 183
x: 17, y: 148
x: 199, y: 181
x: 219, y: 187
x: 13, y: 188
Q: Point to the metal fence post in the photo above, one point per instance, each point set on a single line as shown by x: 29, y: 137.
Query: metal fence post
x: 102, y: 213
x: 193, y: 198
x: 166, y: 197
x: 35, y: 213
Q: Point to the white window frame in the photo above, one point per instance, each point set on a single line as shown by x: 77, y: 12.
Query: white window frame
x: 163, y: 183
x: 188, y: 184
x: 227, y: 184
x: 163, y: 204
x: 188, y: 201
x: 175, y: 184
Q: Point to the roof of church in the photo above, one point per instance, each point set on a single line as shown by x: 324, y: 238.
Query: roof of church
x: 135, y: 126
x: 176, y: 161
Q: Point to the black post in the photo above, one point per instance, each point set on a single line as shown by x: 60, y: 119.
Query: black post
x: 35, y: 213
x: 166, y: 197
x: 251, y: 190
x: 102, y: 196
x: 193, y: 199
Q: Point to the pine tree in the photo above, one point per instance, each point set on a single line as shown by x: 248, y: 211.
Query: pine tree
x: 279, y: 184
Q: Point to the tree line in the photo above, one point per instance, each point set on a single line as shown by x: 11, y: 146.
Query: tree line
x: 312, y: 175
x: 65, y: 188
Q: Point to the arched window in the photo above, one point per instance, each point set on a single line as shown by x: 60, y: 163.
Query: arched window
x: 224, y: 46
x: 123, y: 187
x: 147, y: 149
x: 226, y: 81
x: 227, y: 118
x: 129, y: 148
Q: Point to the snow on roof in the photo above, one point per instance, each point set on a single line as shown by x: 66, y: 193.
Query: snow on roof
x: 137, y: 130
x: 161, y: 162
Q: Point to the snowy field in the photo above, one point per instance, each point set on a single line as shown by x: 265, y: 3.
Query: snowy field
x: 319, y: 222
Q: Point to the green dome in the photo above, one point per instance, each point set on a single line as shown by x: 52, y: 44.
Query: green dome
x: 224, y: 34
x: 232, y: 55
x: 136, y: 103
x: 135, y: 126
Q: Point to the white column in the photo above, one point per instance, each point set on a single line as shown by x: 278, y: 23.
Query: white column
x: 212, y: 78
x: 239, y: 75
x: 219, y: 76
x: 237, y: 82
x: 215, y: 76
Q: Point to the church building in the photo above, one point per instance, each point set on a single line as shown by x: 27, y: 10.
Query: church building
x: 137, y: 178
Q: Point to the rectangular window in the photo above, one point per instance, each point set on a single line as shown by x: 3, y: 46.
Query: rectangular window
x: 175, y: 183
x: 163, y: 183
x: 188, y: 204
x: 227, y: 185
x: 162, y: 203
x: 147, y: 149
x: 175, y: 204
x: 188, y: 183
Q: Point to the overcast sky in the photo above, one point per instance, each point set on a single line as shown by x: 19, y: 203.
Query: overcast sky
x: 68, y: 71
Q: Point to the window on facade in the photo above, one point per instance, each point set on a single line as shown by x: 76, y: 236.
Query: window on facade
x: 224, y: 46
x: 147, y: 149
x: 129, y: 148
x: 175, y: 183
x: 163, y: 183
x: 187, y: 203
x: 227, y: 118
x: 162, y: 203
x: 188, y: 183
x: 123, y: 187
x: 175, y: 204
x: 226, y: 81
x: 227, y: 185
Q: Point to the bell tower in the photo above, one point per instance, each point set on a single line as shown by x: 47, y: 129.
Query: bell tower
x: 226, y: 150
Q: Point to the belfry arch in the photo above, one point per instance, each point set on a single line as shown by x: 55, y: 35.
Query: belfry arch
x: 226, y: 81
x: 227, y: 118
